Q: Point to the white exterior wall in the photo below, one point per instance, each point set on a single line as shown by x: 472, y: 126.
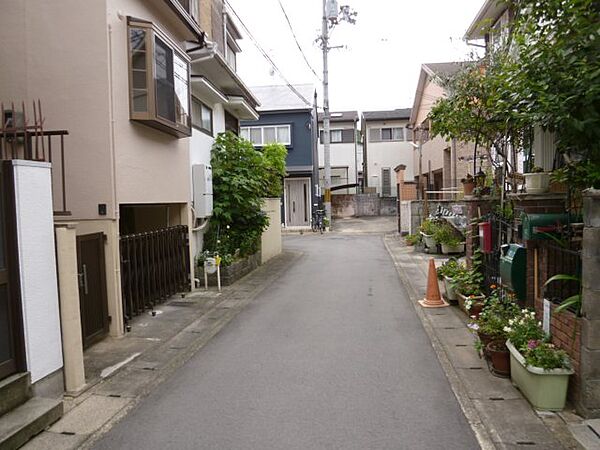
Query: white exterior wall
x: 342, y: 155
x: 200, y: 147
x: 270, y: 244
x: 388, y: 154
x: 37, y: 264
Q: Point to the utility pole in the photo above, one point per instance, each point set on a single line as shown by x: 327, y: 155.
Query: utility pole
x: 331, y: 14
x: 326, y: 138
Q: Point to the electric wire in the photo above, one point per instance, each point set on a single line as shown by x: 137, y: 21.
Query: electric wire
x: 266, y: 56
x: 298, y: 43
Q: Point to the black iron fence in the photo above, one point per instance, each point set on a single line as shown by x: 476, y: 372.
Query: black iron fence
x: 560, y: 260
x: 154, y: 266
x: 490, y: 262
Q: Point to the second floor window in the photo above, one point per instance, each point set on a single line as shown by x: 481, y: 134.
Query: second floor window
x: 201, y: 116
x: 386, y: 134
x: 158, y: 80
x: 259, y: 136
x: 339, y: 136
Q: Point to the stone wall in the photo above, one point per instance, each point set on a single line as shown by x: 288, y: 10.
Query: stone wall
x: 230, y: 274
x: 419, y: 211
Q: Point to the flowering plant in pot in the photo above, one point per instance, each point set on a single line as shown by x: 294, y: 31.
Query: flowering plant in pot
x: 537, y: 181
x: 467, y: 283
x: 446, y: 273
x: 539, y: 369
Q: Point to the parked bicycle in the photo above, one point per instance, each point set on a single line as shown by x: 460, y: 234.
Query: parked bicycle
x: 318, y: 221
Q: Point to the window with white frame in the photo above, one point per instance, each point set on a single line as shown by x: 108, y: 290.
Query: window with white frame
x: 384, y: 134
x: 259, y: 136
x: 336, y: 136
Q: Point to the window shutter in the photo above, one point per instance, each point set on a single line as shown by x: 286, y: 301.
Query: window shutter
x: 321, y: 136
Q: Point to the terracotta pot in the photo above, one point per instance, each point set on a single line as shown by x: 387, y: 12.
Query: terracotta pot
x: 468, y: 188
x: 485, y: 339
x: 499, y: 357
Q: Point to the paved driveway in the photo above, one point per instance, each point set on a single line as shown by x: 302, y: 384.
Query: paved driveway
x: 333, y: 356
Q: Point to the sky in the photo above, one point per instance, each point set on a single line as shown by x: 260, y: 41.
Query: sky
x: 379, y: 64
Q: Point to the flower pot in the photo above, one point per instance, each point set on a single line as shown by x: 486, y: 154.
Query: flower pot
x: 537, y: 183
x: 447, y: 249
x: 545, y: 389
x: 429, y: 241
x: 475, y: 308
x: 450, y: 291
x: 468, y: 188
x: 499, y: 357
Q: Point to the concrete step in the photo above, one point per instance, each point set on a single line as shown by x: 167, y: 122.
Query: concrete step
x: 14, y: 391
x: 29, y: 419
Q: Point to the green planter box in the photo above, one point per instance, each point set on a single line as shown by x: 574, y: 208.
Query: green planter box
x: 545, y: 389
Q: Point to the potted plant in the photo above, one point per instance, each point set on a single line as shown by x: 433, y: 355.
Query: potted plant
x: 490, y: 326
x: 446, y: 273
x: 537, y: 181
x: 449, y: 239
x: 428, y: 230
x: 539, y: 369
x: 467, y: 283
x: 468, y: 185
x: 412, y: 239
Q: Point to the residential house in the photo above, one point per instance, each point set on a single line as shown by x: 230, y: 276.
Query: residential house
x: 288, y: 117
x: 438, y: 164
x: 141, y: 87
x: 387, y: 144
x: 344, y: 138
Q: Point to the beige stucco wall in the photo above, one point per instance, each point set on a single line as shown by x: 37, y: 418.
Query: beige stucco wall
x: 431, y: 92
x: 57, y: 52
x: 341, y: 155
x: 151, y: 166
x: 271, y: 244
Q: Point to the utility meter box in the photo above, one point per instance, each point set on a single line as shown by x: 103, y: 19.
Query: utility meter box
x: 203, y: 190
x: 513, y: 269
x: 538, y: 226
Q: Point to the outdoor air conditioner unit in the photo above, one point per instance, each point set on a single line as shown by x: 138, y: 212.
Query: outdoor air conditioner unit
x: 202, y: 190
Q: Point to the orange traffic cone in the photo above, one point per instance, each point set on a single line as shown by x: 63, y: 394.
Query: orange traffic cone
x: 433, y: 299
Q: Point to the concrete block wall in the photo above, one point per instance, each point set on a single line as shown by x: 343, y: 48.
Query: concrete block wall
x: 589, y: 401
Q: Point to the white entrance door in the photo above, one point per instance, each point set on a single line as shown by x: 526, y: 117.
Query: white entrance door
x: 297, y: 202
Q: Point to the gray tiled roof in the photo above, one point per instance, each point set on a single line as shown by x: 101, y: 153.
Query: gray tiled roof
x: 393, y: 114
x: 444, y: 69
x: 282, y: 98
x: 341, y: 116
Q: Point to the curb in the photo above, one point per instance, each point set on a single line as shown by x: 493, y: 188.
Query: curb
x: 467, y: 406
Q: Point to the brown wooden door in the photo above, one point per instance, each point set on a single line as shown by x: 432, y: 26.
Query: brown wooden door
x: 12, y: 350
x: 93, y: 303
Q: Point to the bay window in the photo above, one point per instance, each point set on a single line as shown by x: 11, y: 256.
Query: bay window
x: 159, y: 80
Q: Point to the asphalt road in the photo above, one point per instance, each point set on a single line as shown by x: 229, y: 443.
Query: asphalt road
x: 331, y: 357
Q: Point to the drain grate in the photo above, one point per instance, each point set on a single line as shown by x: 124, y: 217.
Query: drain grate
x: 115, y: 395
x: 495, y: 399
x: 461, y: 345
x: 68, y: 433
x: 475, y: 368
x: 525, y: 443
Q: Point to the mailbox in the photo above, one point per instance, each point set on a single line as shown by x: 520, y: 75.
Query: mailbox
x: 513, y: 269
x: 535, y: 226
x: 485, y: 237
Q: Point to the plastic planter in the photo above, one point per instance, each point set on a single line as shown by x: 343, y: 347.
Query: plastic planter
x: 429, y: 241
x: 450, y: 291
x: 447, y: 249
x: 537, y: 183
x: 545, y: 389
x: 477, y: 304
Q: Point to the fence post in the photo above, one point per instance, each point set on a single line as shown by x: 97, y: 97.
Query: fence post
x: 70, y: 317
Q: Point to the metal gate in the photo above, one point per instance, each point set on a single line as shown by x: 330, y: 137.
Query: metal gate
x: 12, y: 349
x: 154, y: 266
x: 93, y: 303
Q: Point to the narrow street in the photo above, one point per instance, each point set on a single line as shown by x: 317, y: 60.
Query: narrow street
x: 333, y: 356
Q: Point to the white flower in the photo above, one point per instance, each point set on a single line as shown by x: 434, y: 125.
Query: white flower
x: 507, y: 329
x: 511, y: 321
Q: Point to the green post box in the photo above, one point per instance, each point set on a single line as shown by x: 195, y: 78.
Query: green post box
x: 535, y: 226
x: 513, y: 269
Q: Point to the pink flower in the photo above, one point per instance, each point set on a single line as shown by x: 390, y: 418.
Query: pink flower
x: 532, y: 344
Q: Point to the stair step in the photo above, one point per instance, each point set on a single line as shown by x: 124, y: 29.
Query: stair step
x: 29, y: 419
x: 14, y: 391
